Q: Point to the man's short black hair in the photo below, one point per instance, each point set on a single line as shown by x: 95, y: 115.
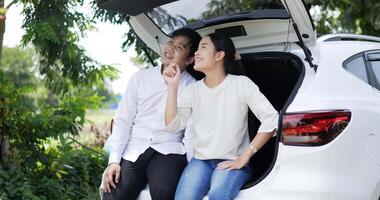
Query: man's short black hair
x: 193, y: 36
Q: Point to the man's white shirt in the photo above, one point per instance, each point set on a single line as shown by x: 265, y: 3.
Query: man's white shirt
x: 138, y: 119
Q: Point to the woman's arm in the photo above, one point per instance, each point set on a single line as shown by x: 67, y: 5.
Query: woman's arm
x: 172, y: 76
x: 258, y: 141
x: 268, y: 116
x: 171, y: 104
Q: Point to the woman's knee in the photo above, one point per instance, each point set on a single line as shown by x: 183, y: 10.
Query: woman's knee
x: 183, y: 194
x: 220, y: 194
x: 195, y: 181
x: 227, y: 184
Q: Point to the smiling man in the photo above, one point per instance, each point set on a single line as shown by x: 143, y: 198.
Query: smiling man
x: 141, y: 152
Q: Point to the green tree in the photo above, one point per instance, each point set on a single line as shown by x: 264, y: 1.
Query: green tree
x: 41, y: 168
x: 54, y: 29
x: 355, y: 16
x: 3, y: 11
x: 29, y: 118
x: 131, y: 40
x: 217, y: 8
x: 20, y: 66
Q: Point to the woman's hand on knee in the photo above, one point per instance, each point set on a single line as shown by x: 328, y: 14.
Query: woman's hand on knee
x: 111, y: 171
x: 234, y: 164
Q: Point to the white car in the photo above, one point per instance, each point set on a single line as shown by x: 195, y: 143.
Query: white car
x: 327, y: 91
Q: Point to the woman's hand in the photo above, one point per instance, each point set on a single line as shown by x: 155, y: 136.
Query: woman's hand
x: 172, y: 75
x: 234, y: 164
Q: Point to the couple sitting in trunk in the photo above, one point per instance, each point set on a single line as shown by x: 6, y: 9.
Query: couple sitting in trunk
x: 146, y: 145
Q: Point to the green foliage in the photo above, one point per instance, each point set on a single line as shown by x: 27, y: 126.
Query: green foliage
x: 142, y: 56
x: 131, y: 39
x: 217, y: 8
x: 15, y: 185
x: 54, y: 28
x: 354, y: 16
x: 113, y: 17
x: 18, y: 65
x: 3, y: 11
x: 29, y: 126
x: 73, y: 173
x: 41, y: 168
x: 11, y: 104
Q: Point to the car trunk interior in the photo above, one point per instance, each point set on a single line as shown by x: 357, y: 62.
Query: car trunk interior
x: 277, y: 75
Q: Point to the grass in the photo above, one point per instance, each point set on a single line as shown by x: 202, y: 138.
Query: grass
x: 97, y: 128
x: 100, y: 116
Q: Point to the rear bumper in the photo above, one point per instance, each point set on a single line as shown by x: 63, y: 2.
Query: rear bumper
x: 317, y: 173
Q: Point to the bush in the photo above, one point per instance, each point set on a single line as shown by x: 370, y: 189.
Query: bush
x: 70, y: 173
x: 44, y: 163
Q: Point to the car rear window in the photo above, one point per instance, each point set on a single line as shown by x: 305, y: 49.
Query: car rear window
x: 356, y: 66
x: 376, y: 70
x: 178, y: 14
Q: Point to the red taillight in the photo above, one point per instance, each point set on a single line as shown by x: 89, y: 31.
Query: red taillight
x: 313, y: 128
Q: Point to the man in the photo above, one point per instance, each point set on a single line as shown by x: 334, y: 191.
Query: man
x: 141, y: 152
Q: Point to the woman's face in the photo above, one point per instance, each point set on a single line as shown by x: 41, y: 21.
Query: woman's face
x: 206, y: 56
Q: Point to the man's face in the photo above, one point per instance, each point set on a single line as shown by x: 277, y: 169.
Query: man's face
x: 177, y: 51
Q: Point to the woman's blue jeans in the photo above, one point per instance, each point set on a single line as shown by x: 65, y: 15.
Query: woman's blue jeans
x: 201, y: 175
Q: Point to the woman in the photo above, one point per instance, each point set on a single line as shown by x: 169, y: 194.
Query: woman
x: 218, y: 106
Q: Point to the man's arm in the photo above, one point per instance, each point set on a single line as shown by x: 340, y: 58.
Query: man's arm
x: 123, y: 120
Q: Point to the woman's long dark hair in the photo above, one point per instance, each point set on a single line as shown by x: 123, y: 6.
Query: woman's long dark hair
x: 222, y: 43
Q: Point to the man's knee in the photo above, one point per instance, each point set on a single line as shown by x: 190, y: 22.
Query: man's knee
x: 162, y: 192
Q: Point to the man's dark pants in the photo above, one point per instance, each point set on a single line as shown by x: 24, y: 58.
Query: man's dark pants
x: 161, y: 172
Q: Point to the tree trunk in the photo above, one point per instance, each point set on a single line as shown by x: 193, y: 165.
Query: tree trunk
x: 4, y: 137
x: 5, y: 150
x: 2, y: 28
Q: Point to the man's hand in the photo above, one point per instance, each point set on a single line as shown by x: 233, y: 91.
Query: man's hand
x: 172, y: 75
x: 234, y: 164
x: 237, y: 56
x: 111, y: 171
